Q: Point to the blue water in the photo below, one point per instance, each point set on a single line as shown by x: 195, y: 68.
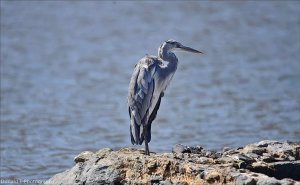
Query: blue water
x: 66, y: 65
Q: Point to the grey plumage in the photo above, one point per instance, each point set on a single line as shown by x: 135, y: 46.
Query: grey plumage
x: 149, y: 80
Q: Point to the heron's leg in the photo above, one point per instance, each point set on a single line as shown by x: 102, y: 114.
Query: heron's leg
x: 145, y: 133
x: 146, y: 148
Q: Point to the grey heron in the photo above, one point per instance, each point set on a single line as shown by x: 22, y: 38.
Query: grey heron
x: 149, y: 80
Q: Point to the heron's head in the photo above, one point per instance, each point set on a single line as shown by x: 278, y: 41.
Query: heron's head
x: 173, y: 45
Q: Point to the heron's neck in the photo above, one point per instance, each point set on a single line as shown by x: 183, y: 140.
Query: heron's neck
x: 166, y: 55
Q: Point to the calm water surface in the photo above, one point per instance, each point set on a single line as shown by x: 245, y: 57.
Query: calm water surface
x: 65, y: 69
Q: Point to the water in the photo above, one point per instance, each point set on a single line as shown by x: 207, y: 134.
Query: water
x: 65, y: 69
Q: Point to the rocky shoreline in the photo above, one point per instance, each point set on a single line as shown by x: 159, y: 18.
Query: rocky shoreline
x: 264, y: 162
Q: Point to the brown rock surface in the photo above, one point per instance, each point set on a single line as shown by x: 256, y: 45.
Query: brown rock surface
x: 265, y: 162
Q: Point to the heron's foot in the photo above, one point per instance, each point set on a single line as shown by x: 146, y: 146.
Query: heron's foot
x: 147, y: 152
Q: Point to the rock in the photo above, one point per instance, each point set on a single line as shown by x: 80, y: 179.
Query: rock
x: 244, y: 157
x: 179, y: 148
x: 225, y: 149
x: 245, y: 180
x: 254, y: 149
x: 265, y: 143
x: 286, y: 168
x: 103, y: 152
x: 268, y: 181
x: 213, y: 177
x: 266, y: 157
x: 196, y: 149
x: 230, y: 152
x: 265, y: 162
x: 84, y: 156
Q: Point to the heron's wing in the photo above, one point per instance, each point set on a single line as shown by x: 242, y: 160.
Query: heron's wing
x: 141, y: 89
x: 154, y: 112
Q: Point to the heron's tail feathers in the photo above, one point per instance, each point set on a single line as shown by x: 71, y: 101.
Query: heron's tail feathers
x: 134, y: 132
x: 146, y: 134
x: 140, y: 134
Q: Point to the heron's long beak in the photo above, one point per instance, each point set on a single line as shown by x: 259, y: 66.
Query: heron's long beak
x: 188, y: 49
